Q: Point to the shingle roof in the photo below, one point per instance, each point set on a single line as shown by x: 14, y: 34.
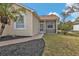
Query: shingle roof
x: 49, y: 17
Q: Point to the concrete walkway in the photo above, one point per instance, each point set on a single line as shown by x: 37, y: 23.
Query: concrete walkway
x: 9, y: 42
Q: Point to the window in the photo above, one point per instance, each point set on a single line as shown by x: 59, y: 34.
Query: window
x: 20, y: 21
x: 50, y: 26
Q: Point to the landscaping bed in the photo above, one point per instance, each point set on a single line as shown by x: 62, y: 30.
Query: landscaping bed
x: 29, y: 48
x: 9, y: 37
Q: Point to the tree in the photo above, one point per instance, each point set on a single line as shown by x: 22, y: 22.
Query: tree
x: 8, y: 13
x: 65, y: 27
x: 72, y: 8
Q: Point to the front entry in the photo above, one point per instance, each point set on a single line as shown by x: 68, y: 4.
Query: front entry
x: 41, y: 28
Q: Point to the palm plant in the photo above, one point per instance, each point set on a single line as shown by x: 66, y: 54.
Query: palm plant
x: 8, y: 13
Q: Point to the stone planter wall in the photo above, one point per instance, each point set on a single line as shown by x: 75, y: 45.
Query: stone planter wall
x: 29, y: 48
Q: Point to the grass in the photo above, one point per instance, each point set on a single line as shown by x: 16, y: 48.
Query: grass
x: 61, y: 45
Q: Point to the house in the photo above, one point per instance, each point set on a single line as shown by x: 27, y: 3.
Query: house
x: 76, y: 24
x: 29, y: 23
x: 49, y: 23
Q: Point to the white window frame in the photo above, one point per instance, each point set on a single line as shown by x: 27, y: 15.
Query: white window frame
x: 15, y: 23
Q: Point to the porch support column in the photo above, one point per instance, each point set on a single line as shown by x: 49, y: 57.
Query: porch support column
x: 56, y: 26
x: 45, y: 28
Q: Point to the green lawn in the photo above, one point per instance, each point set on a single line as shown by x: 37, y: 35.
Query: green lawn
x: 57, y: 44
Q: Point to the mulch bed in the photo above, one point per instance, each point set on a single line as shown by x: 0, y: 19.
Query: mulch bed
x: 30, y: 48
x: 9, y: 37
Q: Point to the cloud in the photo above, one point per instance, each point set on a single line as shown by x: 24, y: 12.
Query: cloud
x: 73, y: 20
x: 69, y: 4
x: 76, y: 14
x: 50, y: 13
x: 73, y: 16
x: 55, y: 13
x: 67, y: 9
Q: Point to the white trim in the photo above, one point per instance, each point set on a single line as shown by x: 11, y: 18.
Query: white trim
x: 18, y: 28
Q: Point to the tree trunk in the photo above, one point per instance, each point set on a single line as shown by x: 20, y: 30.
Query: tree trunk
x: 2, y: 28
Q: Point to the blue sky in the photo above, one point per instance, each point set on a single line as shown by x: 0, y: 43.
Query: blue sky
x: 46, y: 8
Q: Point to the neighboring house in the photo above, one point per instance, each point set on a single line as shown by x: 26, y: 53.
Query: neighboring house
x: 29, y: 23
x: 76, y: 25
x: 49, y: 23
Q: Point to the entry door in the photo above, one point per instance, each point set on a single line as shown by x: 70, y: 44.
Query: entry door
x: 41, y: 28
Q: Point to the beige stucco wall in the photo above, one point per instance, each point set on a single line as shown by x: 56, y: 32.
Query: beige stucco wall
x: 36, y: 25
x: 27, y: 31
